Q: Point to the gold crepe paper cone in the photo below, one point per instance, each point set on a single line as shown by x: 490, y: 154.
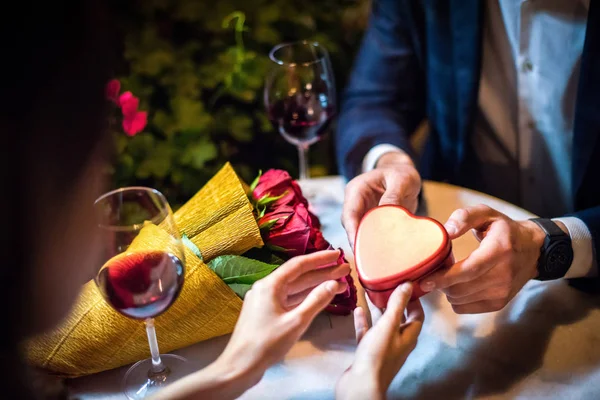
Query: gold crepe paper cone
x: 94, y: 337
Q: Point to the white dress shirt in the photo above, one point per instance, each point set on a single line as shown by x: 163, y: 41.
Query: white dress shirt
x: 524, y: 125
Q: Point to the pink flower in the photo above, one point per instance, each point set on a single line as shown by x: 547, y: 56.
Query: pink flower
x: 276, y: 182
x: 112, y: 90
x: 129, y: 104
x: 134, y: 121
x: 134, y: 124
x: 290, y: 230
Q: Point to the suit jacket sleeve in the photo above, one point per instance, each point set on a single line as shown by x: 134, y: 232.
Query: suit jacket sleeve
x: 384, y: 101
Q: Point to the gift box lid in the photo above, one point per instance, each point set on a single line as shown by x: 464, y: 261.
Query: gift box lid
x: 393, y: 245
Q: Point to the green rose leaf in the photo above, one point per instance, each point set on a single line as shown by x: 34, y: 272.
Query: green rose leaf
x: 266, y: 200
x: 190, y: 245
x: 238, y: 269
x: 269, y: 224
x: 255, y: 182
x: 240, y: 289
x: 276, y: 248
x: 265, y: 255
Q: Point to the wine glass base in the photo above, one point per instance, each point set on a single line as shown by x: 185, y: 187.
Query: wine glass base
x: 139, y: 382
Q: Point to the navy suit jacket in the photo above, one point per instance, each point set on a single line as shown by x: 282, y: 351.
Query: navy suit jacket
x: 421, y: 59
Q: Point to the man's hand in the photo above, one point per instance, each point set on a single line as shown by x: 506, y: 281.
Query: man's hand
x: 493, y: 274
x: 394, y: 181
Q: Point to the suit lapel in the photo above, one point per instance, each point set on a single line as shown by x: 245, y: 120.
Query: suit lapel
x: 587, y: 111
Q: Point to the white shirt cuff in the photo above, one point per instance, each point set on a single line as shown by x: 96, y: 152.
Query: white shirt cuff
x: 370, y: 160
x: 584, y: 262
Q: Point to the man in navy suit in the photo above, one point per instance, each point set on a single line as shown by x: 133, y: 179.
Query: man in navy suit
x: 511, y: 91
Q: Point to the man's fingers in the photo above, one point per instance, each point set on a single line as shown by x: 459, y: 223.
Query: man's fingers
x: 497, y: 292
x: 316, y: 277
x: 318, y: 299
x: 297, y: 266
x: 361, y: 326
x: 357, y: 198
x: 461, y: 290
x: 480, y: 307
x: 464, y: 219
x: 400, y: 192
x: 475, y: 265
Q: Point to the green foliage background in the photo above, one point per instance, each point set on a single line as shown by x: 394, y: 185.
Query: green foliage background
x: 203, y: 91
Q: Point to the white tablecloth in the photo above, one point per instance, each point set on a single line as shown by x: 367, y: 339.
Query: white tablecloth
x: 545, y: 344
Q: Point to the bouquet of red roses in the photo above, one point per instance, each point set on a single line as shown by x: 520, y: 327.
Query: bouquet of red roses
x: 288, y: 229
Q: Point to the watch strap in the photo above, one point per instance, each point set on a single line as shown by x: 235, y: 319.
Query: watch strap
x: 553, y: 262
x: 549, y: 227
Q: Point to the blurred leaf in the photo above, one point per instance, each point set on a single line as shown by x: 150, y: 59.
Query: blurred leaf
x: 241, y: 128
x: 198, y: 154
x: 189, y: 113
x: 157, y: 164
x: 266, y: 34
x: 153, y: 63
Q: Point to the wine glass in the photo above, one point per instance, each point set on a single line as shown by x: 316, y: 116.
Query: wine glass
x: 143, y: 274
x: 300, y: 95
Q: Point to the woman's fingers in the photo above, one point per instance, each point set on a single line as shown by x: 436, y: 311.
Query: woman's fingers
x: 394, y: 313
x: 361, y: 326
x: 297, y: 266
x: 412, y: 328
x: 297, y: 298
x: 316, y: 277
x: 317, y: 300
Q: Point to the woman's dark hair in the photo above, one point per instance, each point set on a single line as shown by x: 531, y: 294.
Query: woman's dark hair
x: 56, y: 61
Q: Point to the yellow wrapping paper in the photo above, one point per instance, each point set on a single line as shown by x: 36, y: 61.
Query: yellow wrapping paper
x: 94, y: 337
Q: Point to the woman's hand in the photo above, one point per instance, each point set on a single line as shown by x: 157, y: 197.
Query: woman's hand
x: 276, y: 312
x: 383, y: 349
x: 279, y: 309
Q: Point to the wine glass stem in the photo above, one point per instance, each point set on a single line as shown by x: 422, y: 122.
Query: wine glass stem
x: 303, y: 156
x: 157, y: 364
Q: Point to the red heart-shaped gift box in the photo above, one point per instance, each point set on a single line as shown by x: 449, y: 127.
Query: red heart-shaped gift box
x: 394, y: 246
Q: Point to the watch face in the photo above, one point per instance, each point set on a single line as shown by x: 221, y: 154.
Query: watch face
x: 559, y: 257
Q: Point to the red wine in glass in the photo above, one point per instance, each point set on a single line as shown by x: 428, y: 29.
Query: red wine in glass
x: 142, y: 282
x: 300, y: 95
x: 141, y: 285
x: 301, y: 120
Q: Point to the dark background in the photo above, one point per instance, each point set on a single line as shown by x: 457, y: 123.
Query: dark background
x: 203, y: 90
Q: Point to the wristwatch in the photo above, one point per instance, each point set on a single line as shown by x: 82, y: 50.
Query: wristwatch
x: 556, y: 255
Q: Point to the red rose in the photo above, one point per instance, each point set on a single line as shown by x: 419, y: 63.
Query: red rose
x: 316, y: 242
x: 275, y: 183
x: 314, y: 221
x: 344, y: 303
x: 288, y: 229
